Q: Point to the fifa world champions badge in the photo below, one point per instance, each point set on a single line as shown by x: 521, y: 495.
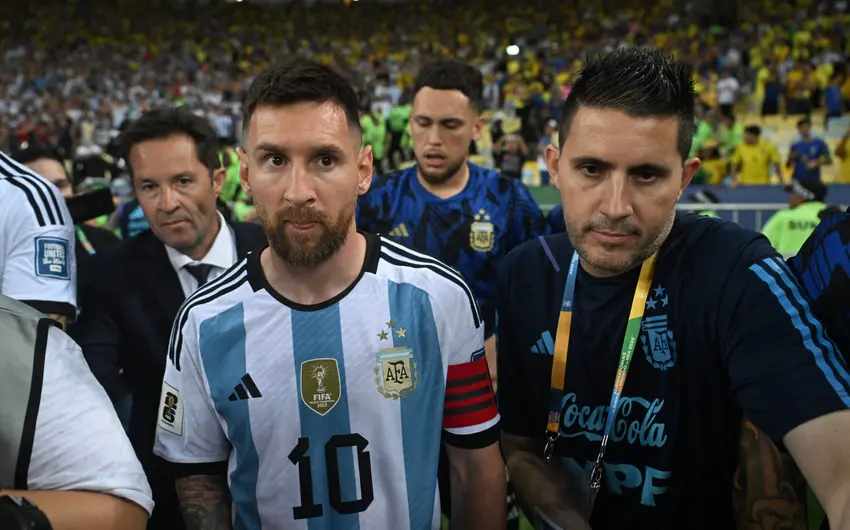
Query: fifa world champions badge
x: 320, y: 385
x: 396, y: 369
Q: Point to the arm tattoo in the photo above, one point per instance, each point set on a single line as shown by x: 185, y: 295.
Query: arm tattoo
x: 204, y: 502
x: 769, y: 491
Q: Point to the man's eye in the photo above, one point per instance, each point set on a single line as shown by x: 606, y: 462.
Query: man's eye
x: 590, y: 170
x: 326, y: 161
x: 646, y: 177
x: 274, y: 160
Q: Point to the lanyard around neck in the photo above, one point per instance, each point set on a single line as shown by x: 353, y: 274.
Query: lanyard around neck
x: 559, y: 363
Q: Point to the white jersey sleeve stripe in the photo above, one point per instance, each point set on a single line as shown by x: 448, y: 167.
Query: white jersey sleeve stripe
x: 226, y: 283
x: 388, y: 244
x: 41, y: 195
x: 211, y: 286
x: 403, y: 261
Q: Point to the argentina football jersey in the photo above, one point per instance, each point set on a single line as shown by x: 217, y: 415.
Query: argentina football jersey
x: 823, y: 269
x: 329, y: 416
x: 471, y: 231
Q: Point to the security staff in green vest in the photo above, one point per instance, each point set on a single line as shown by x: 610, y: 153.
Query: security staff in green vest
x: 374, y: 127
x: 788, y: 229
x: 61, y: 445
x: 707, y: 198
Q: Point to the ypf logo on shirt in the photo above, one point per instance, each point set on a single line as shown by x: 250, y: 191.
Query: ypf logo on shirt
x: 51, y: 258
x: 171, y: 410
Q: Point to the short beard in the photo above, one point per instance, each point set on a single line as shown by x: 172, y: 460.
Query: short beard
x: 649, y: 244
x: 439, y: 178
x: 298, y: 250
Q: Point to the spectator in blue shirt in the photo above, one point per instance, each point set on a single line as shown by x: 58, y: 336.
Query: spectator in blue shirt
x: 808, y: 154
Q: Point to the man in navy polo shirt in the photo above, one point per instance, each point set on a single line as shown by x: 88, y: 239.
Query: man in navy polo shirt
x: 631, y: 346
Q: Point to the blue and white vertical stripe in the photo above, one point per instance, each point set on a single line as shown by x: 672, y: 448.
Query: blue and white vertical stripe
x: 261, y: 337
x: 781, y: 282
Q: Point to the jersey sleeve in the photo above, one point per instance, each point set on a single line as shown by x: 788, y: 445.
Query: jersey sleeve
x: 188, y: 431
x: 79, y: 443
x: 470, y: 418
x: 784, y: 369
x: 40, y: 267
x: 527, y: 221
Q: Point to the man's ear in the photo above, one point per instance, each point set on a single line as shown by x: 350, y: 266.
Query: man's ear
x: 243, y: 170
x: 553, y: 156
x: 478, y: 128
x: 219, y: 176
x: 689, y: 169
x: 365, y: 161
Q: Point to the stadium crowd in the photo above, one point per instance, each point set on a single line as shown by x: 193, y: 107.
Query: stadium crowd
x: 182, y: 114
x: 74, y: 73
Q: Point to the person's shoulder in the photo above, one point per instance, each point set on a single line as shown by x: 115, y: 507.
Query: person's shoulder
x: 26, y: 195
x: 831, y: 239
x: 442, y: 283
x: 701, y: 242
x: 392, y: 183
x: 233, y: 286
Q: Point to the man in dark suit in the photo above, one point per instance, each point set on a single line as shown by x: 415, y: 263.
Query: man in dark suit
x: 136, y: 289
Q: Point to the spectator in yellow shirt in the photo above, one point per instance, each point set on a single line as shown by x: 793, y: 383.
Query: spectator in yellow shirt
x: 754, y: 159
x: 714, y: 165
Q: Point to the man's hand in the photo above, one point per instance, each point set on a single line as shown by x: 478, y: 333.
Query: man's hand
x: 204, y: 502
x: 478, y: 486
x: 84, y: 510
x: 769, y: 491
x: 820, y: 449
x: 551, y: 488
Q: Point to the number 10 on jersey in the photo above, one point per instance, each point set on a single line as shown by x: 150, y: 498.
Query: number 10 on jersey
x: 301, y: 458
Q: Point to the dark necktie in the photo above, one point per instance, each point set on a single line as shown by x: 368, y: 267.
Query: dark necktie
x: 200, y: 271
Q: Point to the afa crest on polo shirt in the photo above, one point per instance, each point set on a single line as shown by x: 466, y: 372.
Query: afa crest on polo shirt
x: 51, y: 258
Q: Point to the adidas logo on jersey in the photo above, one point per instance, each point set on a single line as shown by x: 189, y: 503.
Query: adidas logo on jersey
x: 545, y: 345
x: 247, y: 389
x: 399, y: 231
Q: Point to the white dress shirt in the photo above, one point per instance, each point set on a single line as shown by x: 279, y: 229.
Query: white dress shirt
x: 222, y: 256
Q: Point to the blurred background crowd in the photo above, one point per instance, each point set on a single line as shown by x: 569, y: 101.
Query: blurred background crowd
x: 73, y: 74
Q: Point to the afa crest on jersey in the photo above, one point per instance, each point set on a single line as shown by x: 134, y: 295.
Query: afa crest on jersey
x: 482, y: 235
x: 657, y: 341
x: 396, y: 372
x: 320, y: 385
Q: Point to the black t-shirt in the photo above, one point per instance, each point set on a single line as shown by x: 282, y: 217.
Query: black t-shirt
x: 726, y: 329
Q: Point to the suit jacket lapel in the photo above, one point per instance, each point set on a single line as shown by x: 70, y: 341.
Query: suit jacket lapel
x: 161, y: 278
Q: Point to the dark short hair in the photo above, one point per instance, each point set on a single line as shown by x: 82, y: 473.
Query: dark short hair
x: 37, y: 152
x: 753, y: 129
x: 804, y: 121
x: 452, y: 75
x: 301, y: 81
x: 640, y: 82
x: 158, y: 124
